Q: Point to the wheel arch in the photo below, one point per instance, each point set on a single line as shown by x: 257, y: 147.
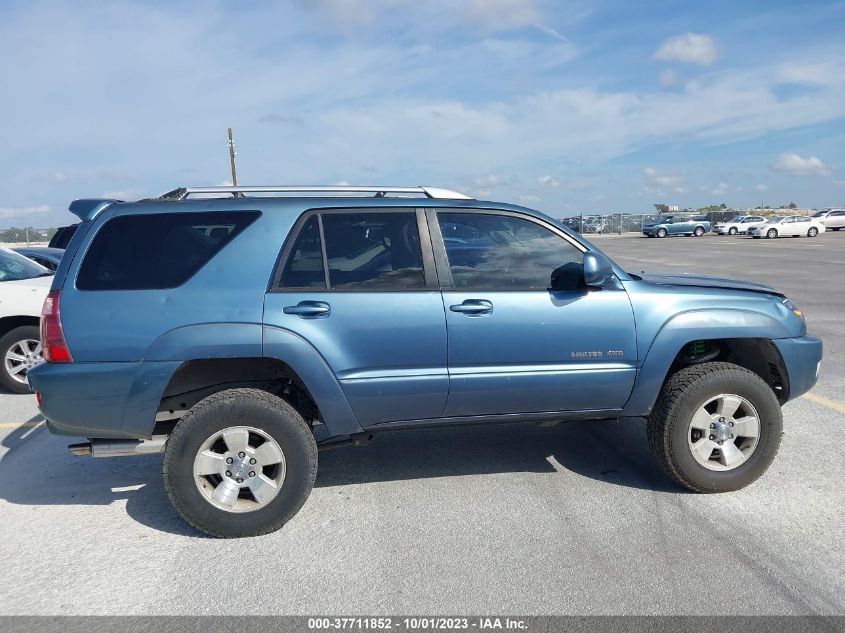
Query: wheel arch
x: 746, y: 342
x: 9, y: 323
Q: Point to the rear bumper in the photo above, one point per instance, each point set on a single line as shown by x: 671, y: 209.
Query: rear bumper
x: 802, y: 357
x: 101, y: 400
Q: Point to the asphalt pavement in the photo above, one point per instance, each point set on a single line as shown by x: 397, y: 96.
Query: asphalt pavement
x: 574, y: 519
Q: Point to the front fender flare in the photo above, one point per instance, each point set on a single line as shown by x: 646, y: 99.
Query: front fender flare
x: 694, y: 325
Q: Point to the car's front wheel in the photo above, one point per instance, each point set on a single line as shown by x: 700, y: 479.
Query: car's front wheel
x: 733, y: 231
x: 772, y: 233
x: 20, y: 351
x: 241, y: 462
x: 716, y: 427
x: 699, y: 231
x: 662, y: 232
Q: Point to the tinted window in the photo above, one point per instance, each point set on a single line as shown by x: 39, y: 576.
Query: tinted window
x: 304, y: 268
x: 373, y: 250
x: 143, y: 252
x: 501, y: 252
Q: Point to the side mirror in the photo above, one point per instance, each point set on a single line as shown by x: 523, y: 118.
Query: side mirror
x: 598, y: 271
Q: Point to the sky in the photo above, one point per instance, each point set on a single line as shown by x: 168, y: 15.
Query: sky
x: 566, y: 106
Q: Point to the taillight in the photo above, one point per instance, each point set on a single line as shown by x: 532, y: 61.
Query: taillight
x: 52, y: 338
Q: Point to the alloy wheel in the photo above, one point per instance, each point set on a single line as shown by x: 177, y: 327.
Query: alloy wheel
x: 21, y: 357
x: 239, y: 469
x: 724, y: 432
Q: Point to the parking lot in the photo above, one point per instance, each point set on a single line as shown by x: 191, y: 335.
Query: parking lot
x: 574, y: 519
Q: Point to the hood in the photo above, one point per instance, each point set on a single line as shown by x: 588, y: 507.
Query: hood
x: 702, y: 281
x: 34, y: 282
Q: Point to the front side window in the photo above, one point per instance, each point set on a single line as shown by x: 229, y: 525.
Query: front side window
x: 364, y: 251
x: 158, y: 250
x: 500, y: 252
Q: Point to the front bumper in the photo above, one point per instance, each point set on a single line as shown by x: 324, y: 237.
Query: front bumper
x: 802, y: 357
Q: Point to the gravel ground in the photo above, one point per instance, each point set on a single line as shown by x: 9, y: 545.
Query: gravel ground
x: 574, y: 519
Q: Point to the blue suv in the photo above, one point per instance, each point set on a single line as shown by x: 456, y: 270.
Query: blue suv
x: 238, y: 330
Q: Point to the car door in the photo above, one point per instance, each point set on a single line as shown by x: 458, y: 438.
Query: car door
x: 835, y: 219
x: 352, y: 283
x: 515, y: 345
x: 797, y: 225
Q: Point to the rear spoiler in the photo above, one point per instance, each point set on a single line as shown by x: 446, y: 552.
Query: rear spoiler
x: 87, y: 209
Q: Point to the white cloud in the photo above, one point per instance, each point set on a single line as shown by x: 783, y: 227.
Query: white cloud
x: 659, y: 179
x: 720, y: 189
x: 528, y: 198
x: 761, y: 188
x: 691, y: 48
x: 548, y: 181
x: 23, y: 213
x: 128, y: 194
x: 838, y: 183
x: 669, y: 78
x: 795, y: 165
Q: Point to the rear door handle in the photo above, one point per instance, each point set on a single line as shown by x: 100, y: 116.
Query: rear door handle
x: 473, y: 307
x: 305, y: 309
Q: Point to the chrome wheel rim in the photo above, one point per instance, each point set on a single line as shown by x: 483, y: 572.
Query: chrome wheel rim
x: 239, y: 469
x: 772, y: 233
x: 21, y: 357
x: 724, y: 432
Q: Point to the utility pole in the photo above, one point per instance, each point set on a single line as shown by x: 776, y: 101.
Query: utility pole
x: 232, y: 154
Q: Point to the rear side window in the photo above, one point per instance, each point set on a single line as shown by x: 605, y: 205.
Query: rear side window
x: 364, y: 251
x: 156, y: 251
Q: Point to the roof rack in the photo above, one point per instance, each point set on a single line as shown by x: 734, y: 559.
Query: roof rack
x: 183, y: 193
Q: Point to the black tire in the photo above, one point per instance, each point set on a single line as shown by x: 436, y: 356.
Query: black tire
x: 835, y: 228
x: 699, y: 231
x: 11, y: 338
x: 662, y: 232
x: 772, y: 234
x: 240, y: 407
x: 733, y: 230
x: 682, y: 395
x: 812, y: 232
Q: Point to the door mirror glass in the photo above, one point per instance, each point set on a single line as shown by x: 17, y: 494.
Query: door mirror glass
x: 598, y: 271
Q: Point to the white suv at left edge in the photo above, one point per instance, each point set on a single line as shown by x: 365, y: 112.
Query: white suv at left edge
x: 792, y: 225
x: 23, y: 288
x: 739, y: 224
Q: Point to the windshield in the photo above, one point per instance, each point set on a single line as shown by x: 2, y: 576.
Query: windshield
x: 819, y: 214
x: 775, y: 219
x: 14, y: 267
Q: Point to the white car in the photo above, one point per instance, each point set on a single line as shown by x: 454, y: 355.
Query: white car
x: 23, y: 288
x: 833, y: 219
x: 793, y: 225
x: 739, y: 224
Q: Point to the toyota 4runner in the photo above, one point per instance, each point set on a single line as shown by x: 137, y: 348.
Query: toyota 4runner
x: 238, y: 330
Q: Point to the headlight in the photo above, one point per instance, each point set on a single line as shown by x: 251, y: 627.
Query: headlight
x: 790, y: 305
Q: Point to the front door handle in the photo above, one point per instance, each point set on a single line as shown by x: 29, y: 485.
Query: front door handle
x: 473, y: 307
x: 305, y: 309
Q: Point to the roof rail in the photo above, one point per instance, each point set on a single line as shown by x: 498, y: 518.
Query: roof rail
x: 430, y: 192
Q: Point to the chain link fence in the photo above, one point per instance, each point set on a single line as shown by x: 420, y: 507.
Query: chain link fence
x: 26, y: 236
x: 620, y: 223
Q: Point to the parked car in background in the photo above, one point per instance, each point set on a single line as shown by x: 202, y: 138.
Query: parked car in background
x: 62, y: 236
x: 23, y: 288
x: 319, y: 321
x: 44, y: 255
x: 833, y: 219
x: 789, y: 226
x: 671, y: 225
x: 739, y: 224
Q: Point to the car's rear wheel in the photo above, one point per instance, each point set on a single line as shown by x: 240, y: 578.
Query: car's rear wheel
x: 772, y: 233
x: 812, y: 232
x: 661, y: 232
x: 241, y: 462
x: 716, y: 427
x: 699, y: 231
x: 733, y: 230
x: 20, y: 351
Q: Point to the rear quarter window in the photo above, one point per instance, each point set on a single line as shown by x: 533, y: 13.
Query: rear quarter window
x: 157, y: 251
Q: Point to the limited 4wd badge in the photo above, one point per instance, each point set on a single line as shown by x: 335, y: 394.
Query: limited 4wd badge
x: 614, y: 353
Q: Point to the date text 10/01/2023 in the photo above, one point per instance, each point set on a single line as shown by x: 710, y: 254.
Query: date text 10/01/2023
x: 416, y: 623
